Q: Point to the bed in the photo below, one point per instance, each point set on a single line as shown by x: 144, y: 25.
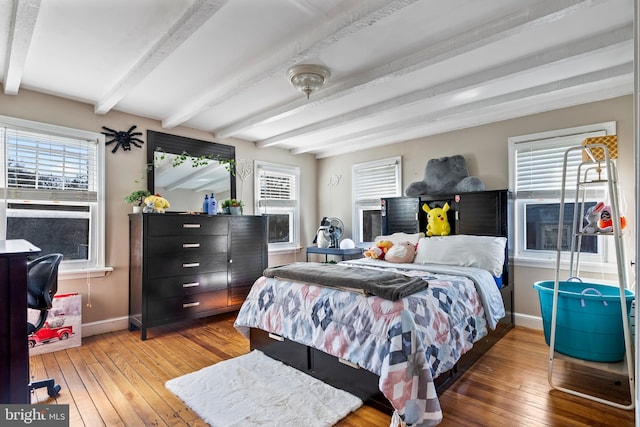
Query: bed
x: 395, y: 354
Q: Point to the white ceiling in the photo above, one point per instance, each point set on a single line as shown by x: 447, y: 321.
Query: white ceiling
x: 400, y: 69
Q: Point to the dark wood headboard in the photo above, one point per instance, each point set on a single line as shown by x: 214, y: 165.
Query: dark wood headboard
x: 482, y: 213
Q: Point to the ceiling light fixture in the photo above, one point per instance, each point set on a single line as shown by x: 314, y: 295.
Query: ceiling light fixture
x: 308, y: 78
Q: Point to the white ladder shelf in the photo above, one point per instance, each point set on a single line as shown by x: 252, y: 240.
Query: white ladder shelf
x: 585, y: 181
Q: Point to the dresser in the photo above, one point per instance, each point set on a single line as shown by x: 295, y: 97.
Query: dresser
x: 190, y: 266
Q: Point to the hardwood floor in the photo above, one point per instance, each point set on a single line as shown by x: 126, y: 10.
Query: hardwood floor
x: 116, y: 379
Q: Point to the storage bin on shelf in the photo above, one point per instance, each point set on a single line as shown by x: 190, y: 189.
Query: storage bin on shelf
x: 589, y: 319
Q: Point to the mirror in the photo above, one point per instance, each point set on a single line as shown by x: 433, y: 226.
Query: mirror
x: 184, y: 180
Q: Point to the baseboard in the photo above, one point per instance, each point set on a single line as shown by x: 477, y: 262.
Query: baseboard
x: 528, y: 321
x: 104, y: 326
x: 117, y: 324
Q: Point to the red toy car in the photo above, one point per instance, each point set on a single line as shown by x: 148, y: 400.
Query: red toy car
x: 47, y: 334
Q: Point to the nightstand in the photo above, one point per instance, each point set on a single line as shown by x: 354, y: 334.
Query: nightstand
x: 342, y: 253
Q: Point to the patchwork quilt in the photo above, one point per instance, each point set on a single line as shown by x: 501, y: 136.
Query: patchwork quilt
x: 407, y: 342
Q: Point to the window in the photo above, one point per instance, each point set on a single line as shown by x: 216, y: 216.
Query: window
x: 535, y: 176
x: 371, y: 182
x: 52, y: 190
x: 277, y: 196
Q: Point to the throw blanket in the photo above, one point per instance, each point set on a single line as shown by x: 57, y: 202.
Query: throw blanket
x: 384, y: 284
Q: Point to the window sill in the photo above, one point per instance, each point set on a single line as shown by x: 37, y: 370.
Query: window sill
x: 84, y: 273
x: 591, y: 267
x: 284, y: 251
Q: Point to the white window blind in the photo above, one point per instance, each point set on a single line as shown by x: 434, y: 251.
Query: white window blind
x: 48, y: 167
x: 372, y: 181
x: 539, y: 165
x: 277, y: 188
x: 277, y: 195
x: 375, y: 180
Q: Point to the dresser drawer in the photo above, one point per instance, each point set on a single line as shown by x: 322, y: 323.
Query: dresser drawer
x: 186, y: 307
x: 186, y: 285
x: 187, y: 225
x: 162, y: 245
x: 185, y: 264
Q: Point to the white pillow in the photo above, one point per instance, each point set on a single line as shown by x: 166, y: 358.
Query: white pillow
x: 396, y: 238
x: 486, y: 252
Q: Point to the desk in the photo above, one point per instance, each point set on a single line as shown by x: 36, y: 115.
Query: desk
x: 342, y: 253
x: 14, y: 357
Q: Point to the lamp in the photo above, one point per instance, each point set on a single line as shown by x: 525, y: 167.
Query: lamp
x: 308, y: 78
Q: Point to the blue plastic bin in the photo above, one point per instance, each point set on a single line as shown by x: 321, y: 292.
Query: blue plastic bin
x: 589, y: 319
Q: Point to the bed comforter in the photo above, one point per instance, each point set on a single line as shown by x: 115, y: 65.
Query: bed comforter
x: 407, y: 342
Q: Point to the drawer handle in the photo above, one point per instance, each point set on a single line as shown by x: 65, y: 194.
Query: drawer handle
x: 276, y: 337
x: 191, y: 264
x: 351, y: 364
x: 191, y: 304
x: 190, y: 225
x: 190, y: 285
x: 191, y: 245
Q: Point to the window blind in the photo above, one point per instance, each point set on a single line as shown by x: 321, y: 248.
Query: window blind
x: 371, y: 182
x: 276, y: 188
x: 539, y: 165
x: 48, y: 167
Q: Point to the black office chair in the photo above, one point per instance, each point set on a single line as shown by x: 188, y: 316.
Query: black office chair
x: 42, y: 285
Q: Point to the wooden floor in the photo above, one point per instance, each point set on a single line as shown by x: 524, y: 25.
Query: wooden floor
x: 117, y: 379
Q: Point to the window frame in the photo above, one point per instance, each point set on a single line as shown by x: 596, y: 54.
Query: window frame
x: 97, y: 245
x: 604, y: 260
x: 280, y: 206
x: 368, y: 202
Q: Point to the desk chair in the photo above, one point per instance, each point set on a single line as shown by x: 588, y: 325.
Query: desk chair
x: 42, y: 285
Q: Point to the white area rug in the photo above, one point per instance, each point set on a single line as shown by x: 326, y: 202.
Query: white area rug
x: 254, y: 389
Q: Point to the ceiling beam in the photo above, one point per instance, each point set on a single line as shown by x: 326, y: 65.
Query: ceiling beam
x: 23, y: 23
x: 485, y: 116
x: 619, y: 77
x: 188, y: 23
x: 599, y: 43
x: 499, y: 29
x: 363, y: 15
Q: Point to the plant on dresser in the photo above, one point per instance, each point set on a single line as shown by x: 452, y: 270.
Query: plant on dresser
x: 190, y: 266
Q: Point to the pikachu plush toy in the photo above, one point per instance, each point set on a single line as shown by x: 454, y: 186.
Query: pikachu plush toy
x: 437, y: 221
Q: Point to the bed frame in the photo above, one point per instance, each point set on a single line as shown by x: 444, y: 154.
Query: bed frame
x: 479, y: 213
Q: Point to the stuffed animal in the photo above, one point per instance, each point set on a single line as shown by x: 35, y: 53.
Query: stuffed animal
x: 379, y: 250
x: 605, y: 223
x: 437, y: 221
x: 403, y: 252
x: 445, y: 175
x: 149, y: 207
x: 592, y: 217
x: 159, y: 202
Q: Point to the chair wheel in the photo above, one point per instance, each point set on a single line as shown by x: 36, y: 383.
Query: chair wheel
x: 53, y: 391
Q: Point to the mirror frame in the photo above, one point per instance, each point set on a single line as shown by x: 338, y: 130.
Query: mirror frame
x: 175, y: 144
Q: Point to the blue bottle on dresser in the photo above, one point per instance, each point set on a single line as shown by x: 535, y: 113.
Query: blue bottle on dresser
x: 205, y: 204
x: 213, y: 205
